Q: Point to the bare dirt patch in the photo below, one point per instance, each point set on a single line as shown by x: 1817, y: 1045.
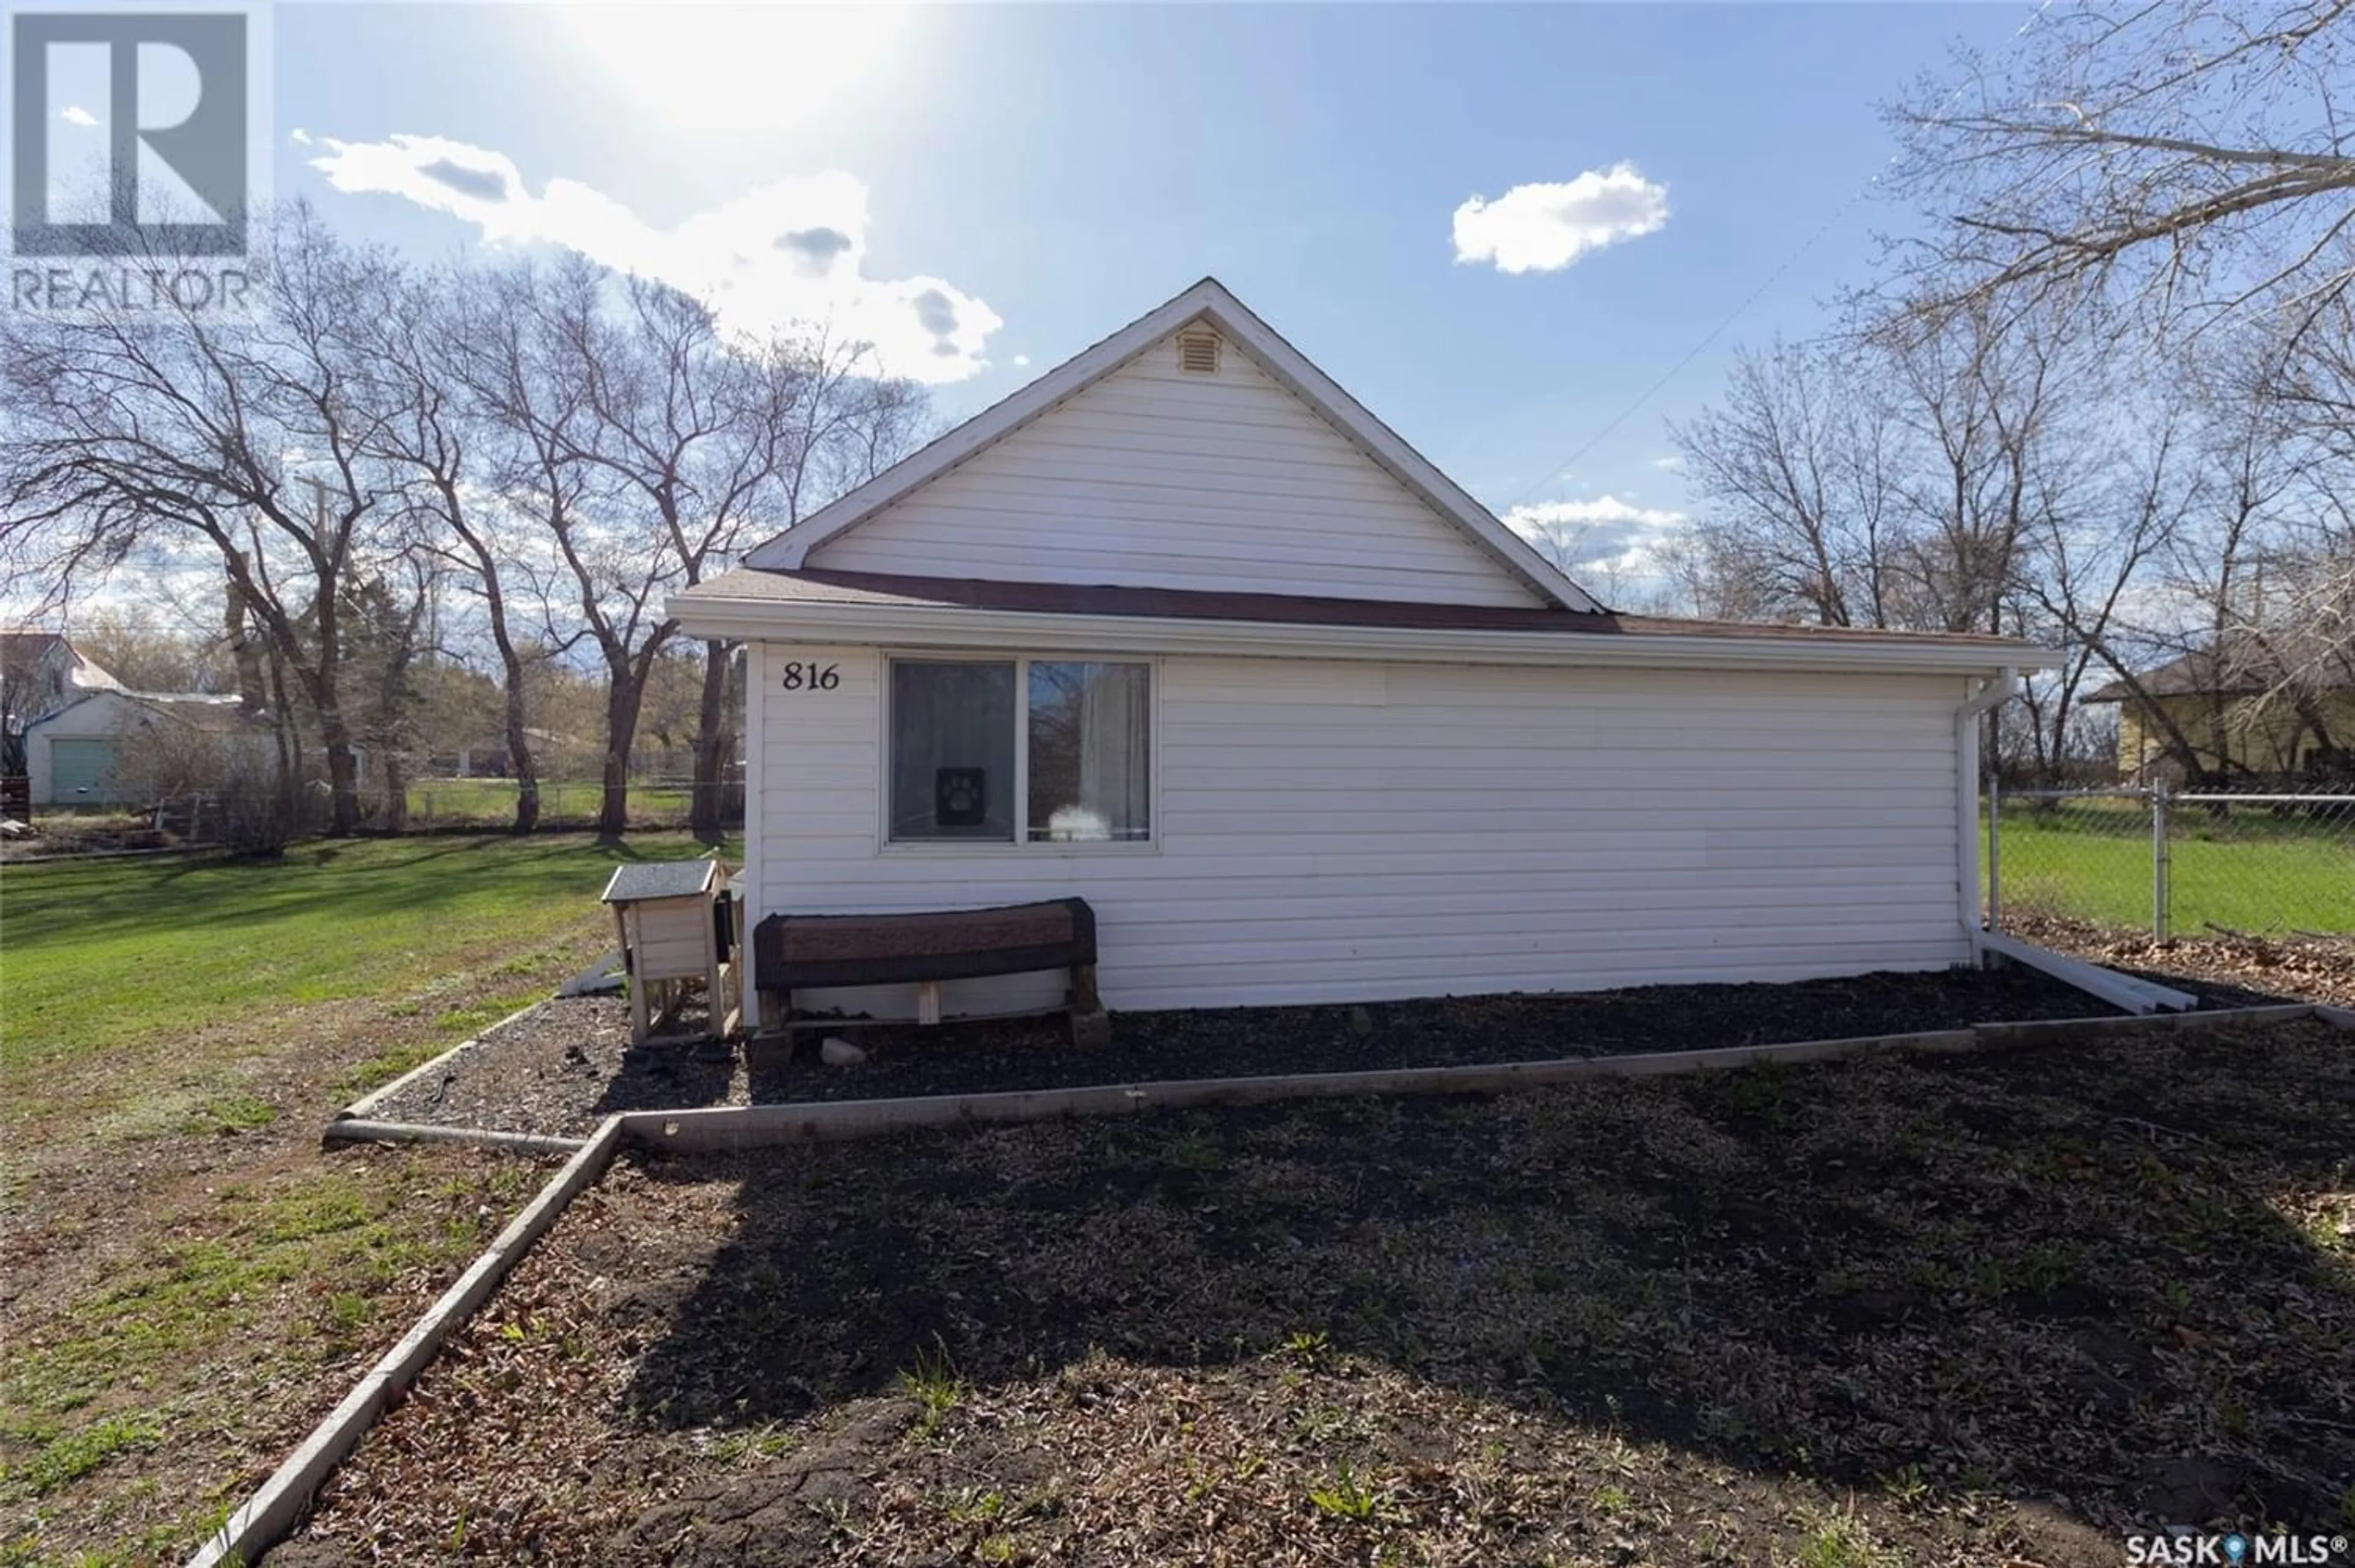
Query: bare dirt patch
x: 569, y: 1064
x: 1960, y: 1310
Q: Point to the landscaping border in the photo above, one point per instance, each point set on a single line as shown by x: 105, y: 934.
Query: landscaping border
x: 274, y: 1510
x: 726, y: 1127
x: 357, y: 1130
x: 2126, y: 992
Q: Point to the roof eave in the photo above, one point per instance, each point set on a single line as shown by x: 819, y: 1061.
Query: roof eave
x: 708, y: 615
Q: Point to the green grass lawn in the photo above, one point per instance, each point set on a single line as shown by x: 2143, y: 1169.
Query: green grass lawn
x: 193, y: 1282
x: 492, y: 802
x: 2249, y: 870
x: 114, y: 953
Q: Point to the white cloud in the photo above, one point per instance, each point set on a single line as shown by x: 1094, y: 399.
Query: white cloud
x: 1545, y: 227
x: 75, y: 114
x: 791, y: 252
x: 1674, y: 463
x: 1606, y: 536
x: 1021, y: 361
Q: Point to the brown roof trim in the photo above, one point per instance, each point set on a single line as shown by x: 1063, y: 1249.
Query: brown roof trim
x: 820, y: 586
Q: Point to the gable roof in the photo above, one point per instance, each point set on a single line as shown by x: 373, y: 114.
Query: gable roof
x: 2240, y: 664
x: 1206, y: 301
x: 201, y: 711
x: 22, y: 653
x: 18, y: 649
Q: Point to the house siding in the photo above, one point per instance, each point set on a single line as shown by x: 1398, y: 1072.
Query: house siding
x: 100, y: 718
x: 1153, y: 477
x: 1342, y: 831
x: 2260, y: 737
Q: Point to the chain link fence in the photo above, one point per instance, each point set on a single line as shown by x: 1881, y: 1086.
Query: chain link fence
x: 445, y: 804
x: 2174, y: 864
x: 247, y: 819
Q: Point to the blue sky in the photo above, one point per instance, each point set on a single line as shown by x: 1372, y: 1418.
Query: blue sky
x: 1014, y: 182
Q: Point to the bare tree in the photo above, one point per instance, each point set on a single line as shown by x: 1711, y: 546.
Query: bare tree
x: 2091, y: 563
x: 435, y: 438
x: 2191, y: 156
x: 607, y: 562
x: 1792, y: 468
x: 1983, y: 457
x: 722, y: 441
x: 695, y: 435
x: 648, y: 451
x: 127, y: 425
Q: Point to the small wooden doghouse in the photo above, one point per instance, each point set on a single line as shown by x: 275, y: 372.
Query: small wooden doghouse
x: 677, y: 925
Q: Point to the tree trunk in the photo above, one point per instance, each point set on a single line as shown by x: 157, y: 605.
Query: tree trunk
x: 343, y: 776
x: 251, y: 695
x: 714, y: 739
x: 519, y: 760
x: 624, y: 695
x: 495, y: 602
x: 336, y: 739
x: 396, y: 791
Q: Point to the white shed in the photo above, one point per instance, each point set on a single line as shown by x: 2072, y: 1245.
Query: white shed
x: 1182, y: 629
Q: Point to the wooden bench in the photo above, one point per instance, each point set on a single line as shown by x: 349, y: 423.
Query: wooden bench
x: 800, y: 952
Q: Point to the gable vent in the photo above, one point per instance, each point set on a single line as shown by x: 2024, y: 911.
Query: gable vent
x: 1198, y: 353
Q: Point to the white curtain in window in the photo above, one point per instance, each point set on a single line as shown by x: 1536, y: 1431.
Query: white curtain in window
x: 1090, y: 751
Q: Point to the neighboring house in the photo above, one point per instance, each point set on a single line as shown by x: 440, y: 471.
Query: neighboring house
x: 75, y: 755
x: 1182, y: 629
x: 484, y: 755
x: 40, y: 672
x: 2238, y: 710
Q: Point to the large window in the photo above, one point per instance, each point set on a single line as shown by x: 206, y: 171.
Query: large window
x: 1066, y: 744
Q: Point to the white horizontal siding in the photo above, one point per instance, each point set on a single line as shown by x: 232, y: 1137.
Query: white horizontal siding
x: 1333, y: 831
x: 1155, y: 478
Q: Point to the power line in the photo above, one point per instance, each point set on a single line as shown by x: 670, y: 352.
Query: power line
x: 1714, y: 332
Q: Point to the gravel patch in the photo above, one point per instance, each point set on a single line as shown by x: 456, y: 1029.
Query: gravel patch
x: 569, y: 1064
x: 1933, y: 1311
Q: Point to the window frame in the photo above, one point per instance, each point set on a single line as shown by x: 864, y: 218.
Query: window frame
x: 1021, y: 843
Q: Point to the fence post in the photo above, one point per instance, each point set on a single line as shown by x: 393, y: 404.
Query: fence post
x: 2159, y: 860
x: 1995, y: 854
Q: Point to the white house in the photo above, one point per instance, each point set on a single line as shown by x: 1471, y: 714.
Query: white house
x: 40, y: 672
x: 1182, y: 629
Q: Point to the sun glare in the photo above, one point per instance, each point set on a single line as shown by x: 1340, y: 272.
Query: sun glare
x: 724, y: 68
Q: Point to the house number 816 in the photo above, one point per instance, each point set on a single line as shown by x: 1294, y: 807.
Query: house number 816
x: 800, y: 676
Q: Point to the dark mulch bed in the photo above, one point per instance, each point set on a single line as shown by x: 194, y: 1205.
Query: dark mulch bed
x: 1932, y: 1311
x: 569, y: 1063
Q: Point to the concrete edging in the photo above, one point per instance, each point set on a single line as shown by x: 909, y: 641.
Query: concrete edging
x: 266, y: 1518
x: 2058, y: 1032
x: 344, y: 1131
x: 368, y: 1102
x: 273, y: 1510
x: 2129, y: 992
x: 728, y: 1127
